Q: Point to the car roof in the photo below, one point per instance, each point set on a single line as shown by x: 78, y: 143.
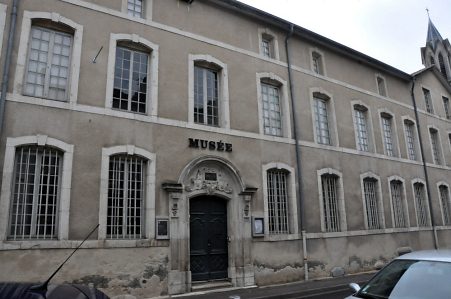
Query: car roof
x: 428, y: 255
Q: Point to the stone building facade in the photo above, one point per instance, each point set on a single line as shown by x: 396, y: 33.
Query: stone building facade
x: 211, y: 141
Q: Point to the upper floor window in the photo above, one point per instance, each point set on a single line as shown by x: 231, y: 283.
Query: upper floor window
x: 48, y: 66
x: 126, y: 183
x: 411, y: 139
x: 321, y: 120
x: 445, y: 204
x: 372, y: 203
x: 428, y: 101
x: 206, y: 96
x: 446, y: 107
x: 381, y: 87
x: 130, y: 90
x: 208, y: 92
x: 135, y: 8
x: 268, y: 44
x: 421, y: 204
x: 317, y: 63
x: 361, y: 127
x: 435, y: 146
x: 388, y: 134
x: 399, y: 206
x: 277, y: 197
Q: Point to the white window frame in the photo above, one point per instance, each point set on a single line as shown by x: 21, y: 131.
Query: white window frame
x: 284, y: 103
x: 22, y: 56
x: 149, y: 197
x: 152, y: 85
x: 341, y: 202
x: 380, y: 203
x: 442, y: 183
x: 416, y: 144
x: 333, y: 132
x: 371, y: 140
x: 292, y: 202
x: 322, y: 62
x: 403, y: 201
x: 274, y: 44
x: 394, y: 132
x: 428, y: 214
x: 3, y: 8
x: 65, y: 188
x: 223, y: 89
x: 439, y: 145
x: 147, y: 9
x: 384, y: 84
x: 424, y: 100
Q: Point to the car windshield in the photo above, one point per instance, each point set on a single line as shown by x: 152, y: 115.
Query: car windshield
x: 410, y: 279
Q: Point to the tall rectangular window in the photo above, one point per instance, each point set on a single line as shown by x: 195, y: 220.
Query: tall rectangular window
x: 277, y: 201
x: 206, y: 96
x: 329, y: 185
x: 411, y: 140
x: 428, y: 101
x: 130, y: 80
x: 34, y: 204
x: 371, y: 202
x: 446, y: 209
x: 317, y: 63
x: 381, y: 86
x: 420, y: 199
x: 399, y: 213
x: 266, y: 47
x: 388, y: 135
x: 361, y: 126
x: 446, y: 107
x: 135, y: 8
x: 322, y: 121
x: 126, y: 180
x: 49, y: 55
x: 436, y: 153
x: 272, y: 112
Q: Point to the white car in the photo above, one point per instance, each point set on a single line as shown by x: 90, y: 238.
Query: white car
x: 417, y: 275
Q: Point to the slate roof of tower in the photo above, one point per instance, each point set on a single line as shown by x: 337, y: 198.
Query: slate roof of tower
x: 433, y: 35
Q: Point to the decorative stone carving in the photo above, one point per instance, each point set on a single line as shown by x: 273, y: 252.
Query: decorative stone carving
x: 209, y: 179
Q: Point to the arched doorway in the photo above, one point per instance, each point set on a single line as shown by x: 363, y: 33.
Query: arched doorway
x: 208, y: 238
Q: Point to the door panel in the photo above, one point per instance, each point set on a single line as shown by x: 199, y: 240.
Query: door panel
x: 208, y: 240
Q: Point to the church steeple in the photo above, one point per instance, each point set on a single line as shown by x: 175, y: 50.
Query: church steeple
x: 437, y: 51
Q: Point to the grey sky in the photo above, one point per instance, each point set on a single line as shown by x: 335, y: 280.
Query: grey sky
x: 392, y: 31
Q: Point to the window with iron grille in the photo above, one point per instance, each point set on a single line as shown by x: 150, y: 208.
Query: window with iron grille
x: 435, y: 146
x: 381, y: 86
x: 266, y: 47
x: 446, y: 204
x: 130, y: 80
x: 399, y: 214
x: 329, y: 187
x: 428, y: 100
x: 362, y: 128
x: 446, y: 107
x: 48, y: 67
x: 34, y: 203
x: 135, y: 8
x: 373, y: 216
x: 321, y: 121
x: 388, y: 134
x: 420, y: 200
x: 277, y: 193
x: 126, y: 180
x: 411, y: 140
x: 272, y: 111
x: 317, y: 63
x: 206, y: 99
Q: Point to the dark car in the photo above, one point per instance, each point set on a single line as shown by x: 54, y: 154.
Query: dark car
x: 53, y: 291
x: 416, y: 275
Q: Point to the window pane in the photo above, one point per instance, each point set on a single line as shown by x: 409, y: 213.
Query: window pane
x: 388, y: 138
x: 329, y: 185
x: 277, y: 202
x: 397, y: 204
x: 362, y: 130
x: 322, y: 121
x: 371, y: 203
x: 272, y: 118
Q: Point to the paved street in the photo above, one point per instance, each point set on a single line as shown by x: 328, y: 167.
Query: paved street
x: 325, y: 288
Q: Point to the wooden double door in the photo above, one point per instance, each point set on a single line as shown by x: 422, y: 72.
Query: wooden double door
x: 208, y: 238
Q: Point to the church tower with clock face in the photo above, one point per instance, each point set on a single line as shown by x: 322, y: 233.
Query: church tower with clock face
x: 437, y: 51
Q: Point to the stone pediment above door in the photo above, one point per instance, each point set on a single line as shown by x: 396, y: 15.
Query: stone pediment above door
x: 210, y: 180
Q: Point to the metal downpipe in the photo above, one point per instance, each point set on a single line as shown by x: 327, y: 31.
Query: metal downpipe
x: 298, y: 154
